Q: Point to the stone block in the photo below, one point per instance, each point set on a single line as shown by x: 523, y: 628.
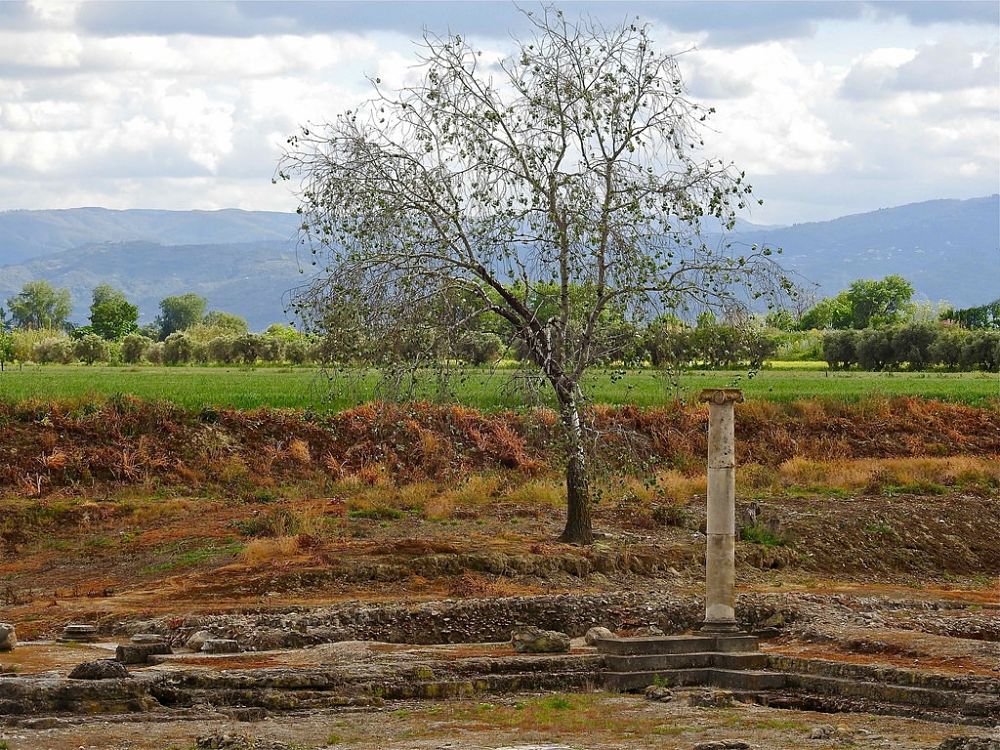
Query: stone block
x: 139, y: 653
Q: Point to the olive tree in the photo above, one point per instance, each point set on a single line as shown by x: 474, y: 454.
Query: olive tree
x: 91, y: 348
x: 575, y: 161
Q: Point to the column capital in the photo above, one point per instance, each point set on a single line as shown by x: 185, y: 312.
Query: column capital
x: 721, y: 396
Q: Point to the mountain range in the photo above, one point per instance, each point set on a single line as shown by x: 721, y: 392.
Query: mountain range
x: 247, y: 262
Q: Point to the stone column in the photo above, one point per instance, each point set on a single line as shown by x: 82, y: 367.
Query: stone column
x: 720, y: 556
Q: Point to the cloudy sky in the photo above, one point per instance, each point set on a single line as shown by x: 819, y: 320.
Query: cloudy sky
x: 830, y: 107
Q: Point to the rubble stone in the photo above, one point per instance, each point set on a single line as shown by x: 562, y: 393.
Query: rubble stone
x: 8, y: 637
x: 532, y: 640
x: 197, y: 640
x: 597, y: 633
x: 659, y: 693
x: 102, y: 669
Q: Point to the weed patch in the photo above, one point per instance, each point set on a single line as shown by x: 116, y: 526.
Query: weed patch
x: 762, y: 535
x: 379, y: 513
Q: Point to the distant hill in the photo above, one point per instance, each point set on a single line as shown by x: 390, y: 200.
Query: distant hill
x: 251, y: 279
x: 25, y: 235
x: 245, y: 261
x: 948, y: 249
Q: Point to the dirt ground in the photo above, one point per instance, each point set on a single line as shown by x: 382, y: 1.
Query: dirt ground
x: 588, y: 721
x: 181, y: 555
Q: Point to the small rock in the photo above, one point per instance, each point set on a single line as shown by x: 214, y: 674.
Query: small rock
x: 659, y: 693
x: 220, y: 646
x: 712, y: 699
x: 822, y: 732
x: 196, y: 641
x: 722, y: 745
x: 532, y: 640
x: 8, y: 637
x: 596, y: 634
x: 102, y: 669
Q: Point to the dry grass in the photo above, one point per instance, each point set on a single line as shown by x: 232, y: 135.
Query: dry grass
x: 261, y: 551
x: 537, y: 493
x: 298, y: 451
x: 471, y: 584
x: 873, y: 475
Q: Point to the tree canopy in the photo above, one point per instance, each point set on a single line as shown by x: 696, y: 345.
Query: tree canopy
x: 866, y: 303
x: 575, y: 162
x: 179, y: 313
x: 40, y: 305
x: 112, y: 316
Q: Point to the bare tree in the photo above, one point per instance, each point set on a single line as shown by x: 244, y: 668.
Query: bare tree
x: 573, y: 165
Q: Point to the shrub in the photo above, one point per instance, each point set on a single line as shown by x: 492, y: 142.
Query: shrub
x: 199, y: 353
x: 155, y: 353
x: 670, y: 515
x: 177, y: 349
x: 53, y: 351
x: 6, y: 347
x: 762, y: 535
x: 378, y: 513
x: 134, y: 348
x: 261, y: 551
x: 91, y: 348
x: 839, y: 349
x: 297, y: 351
x: 874, y: 349
x: 24, y: 340
x: 277, y: 523
x: 479, y: 348
x: 911, y: 344
x: 220, y: 349
x: 246, y: 348
x: 946, y: 349
x: 981, y: 349
x: 270, y: 348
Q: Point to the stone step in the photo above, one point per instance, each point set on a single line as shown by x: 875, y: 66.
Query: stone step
x: 964, y: 701
x: 677, y: 644
x: 882, y: 673
x: 730, y: 679
x: 653, y: 662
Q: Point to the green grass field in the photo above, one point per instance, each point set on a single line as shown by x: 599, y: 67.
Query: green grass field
x: 307, y: 387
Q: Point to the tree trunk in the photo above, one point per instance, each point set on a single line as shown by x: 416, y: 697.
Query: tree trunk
x: 578, y: 525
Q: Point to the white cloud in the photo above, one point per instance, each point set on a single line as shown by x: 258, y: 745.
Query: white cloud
x: 134, y: 118
x: 947, y: 65
x: 766, y: 119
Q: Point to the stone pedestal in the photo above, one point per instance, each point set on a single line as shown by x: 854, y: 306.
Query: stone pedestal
x: 720, y: 554
x: 78, y: 633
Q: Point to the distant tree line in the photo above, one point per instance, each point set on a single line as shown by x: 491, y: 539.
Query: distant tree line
x: 915, y: 346
x: 984, y: 317
x: 35, y: 327
x: 872, y: 325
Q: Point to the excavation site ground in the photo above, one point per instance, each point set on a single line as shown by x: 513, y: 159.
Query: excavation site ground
x: 288, y: 579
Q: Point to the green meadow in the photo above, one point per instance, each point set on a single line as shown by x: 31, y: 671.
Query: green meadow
x: 314, y: 388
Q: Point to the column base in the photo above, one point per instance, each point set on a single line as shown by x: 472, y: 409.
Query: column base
x: 720, y: 626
